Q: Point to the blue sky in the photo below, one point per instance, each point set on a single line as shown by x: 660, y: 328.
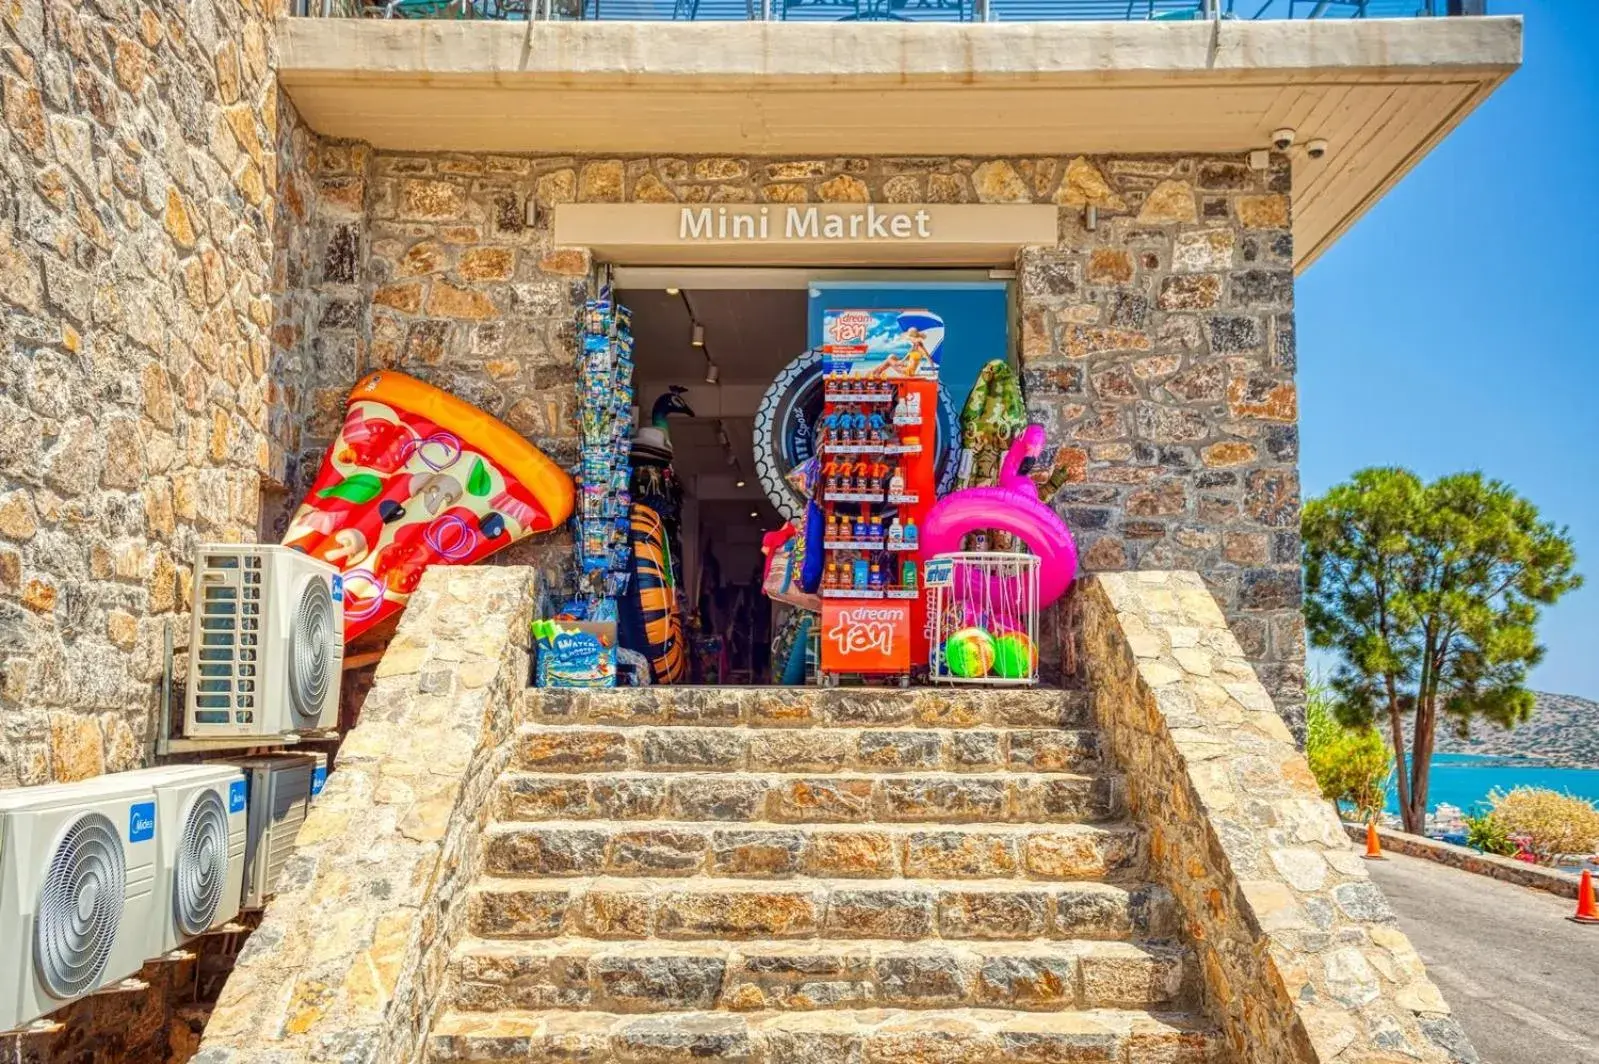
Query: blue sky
x: 1454, y: 326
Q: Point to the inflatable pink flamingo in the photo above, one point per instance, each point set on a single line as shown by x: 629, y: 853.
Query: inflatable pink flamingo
x: 1012, y: 506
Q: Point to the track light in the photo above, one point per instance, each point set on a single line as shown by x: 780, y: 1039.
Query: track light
x: 712, y: 373
x: 755, y: 513
x: 696, y: 337
x: 671, y: 291
x: 738, y: 483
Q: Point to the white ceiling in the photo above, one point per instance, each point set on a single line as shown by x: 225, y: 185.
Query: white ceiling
x: 752, y: 334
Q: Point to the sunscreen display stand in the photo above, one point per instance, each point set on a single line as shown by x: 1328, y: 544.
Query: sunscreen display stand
x: 878, y: 481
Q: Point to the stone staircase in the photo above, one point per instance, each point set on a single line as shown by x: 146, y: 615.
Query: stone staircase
x: 828, y: 877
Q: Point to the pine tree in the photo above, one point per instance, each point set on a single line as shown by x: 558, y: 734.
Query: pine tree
x: 1430, y: 594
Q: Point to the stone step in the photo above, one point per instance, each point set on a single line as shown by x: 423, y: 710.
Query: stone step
x: 665, y: 976
x: 794, y: 707
x: 942, y: 797
x: 740, y: 748
x: 773, y: 851
x: 807, y: 908
x: 876, y: 1036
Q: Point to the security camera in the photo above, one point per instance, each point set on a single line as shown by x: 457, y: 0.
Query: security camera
x: 1282, y: 139
x: 1316, y: 148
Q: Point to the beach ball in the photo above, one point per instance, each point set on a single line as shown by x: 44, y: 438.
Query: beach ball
x: 1015, y: 656
x: 969, y: 652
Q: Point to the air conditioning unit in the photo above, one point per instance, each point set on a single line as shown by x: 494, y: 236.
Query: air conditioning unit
x: 319, y: 772
x: 266, y: 642
x: 200, y: 834
x: 280, y: 797
x: 78, y: 866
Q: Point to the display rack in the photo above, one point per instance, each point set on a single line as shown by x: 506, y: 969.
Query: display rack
x: 874, y: 481
x: 605, y: 415
x: 878, y: 444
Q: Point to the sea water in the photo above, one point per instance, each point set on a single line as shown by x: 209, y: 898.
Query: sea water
x: 1465, y: 780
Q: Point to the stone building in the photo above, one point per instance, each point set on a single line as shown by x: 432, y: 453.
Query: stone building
x: 215, y: 222
x: 215, y: 218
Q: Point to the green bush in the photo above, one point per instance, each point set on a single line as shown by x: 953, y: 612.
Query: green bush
x: 1485, y: 833
x: 1552, y: 825
x: 1351, y: 764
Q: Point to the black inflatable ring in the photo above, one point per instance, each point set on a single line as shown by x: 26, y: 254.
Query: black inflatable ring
x: 785, y: 432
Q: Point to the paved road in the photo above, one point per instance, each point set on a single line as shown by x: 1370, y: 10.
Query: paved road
x: 1522, y: 980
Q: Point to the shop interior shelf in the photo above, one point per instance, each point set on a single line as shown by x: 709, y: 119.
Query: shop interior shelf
x: 868, y: 593
x: 904, y: 500
x: 874, y: 448
x: 852, y: 496
x: 842, y: 397
x: 865, y: 544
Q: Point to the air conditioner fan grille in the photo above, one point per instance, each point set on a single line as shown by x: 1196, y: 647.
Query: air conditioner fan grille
x: 202, y: 865
x: 311, y: 651
x: 80, y: 907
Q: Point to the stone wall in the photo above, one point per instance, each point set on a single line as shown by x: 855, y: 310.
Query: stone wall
x: 349, y: 962
x: 1507, y: 869
x: 1158, y: 346
x: 1302, y: 958
x: 141, y: 154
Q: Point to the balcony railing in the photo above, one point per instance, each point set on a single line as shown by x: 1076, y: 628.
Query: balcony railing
x: 887, y: 10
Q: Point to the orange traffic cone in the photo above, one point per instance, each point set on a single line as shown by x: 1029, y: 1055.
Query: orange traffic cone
x: 1373, y: 846
x: 1587, y: 904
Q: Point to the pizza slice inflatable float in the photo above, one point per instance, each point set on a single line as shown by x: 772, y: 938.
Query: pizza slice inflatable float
x: 416, y: 478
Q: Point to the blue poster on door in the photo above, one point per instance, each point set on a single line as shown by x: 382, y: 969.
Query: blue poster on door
x: 975, y: 315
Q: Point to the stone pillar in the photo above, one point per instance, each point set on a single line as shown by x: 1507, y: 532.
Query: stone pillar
x: 349, y: 962
x: 1158, y: 347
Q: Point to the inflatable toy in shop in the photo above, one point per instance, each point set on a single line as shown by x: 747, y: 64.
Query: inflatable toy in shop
x: 653, y: 442
x: 785, y: 432
x: 654, y: 481
x: 651, y: 619
x: 416, y: 477
x: 1011, y: 506
x: 994, y: 413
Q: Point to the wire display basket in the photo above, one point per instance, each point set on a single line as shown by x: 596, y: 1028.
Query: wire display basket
x: 983, y: 618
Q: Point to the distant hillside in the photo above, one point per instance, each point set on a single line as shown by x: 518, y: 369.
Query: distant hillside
x: 1563, y: 730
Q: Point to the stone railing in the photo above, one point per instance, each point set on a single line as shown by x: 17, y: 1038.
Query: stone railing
x: 351, y: 957
x: 1301, y: 957
x: 1466, y: 859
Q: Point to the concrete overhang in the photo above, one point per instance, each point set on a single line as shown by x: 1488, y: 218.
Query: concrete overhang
x: 1381, y: 92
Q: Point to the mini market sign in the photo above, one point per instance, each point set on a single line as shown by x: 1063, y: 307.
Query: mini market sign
x: 853, y: 234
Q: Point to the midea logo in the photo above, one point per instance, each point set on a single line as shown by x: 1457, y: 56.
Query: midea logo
x: 141, y: 822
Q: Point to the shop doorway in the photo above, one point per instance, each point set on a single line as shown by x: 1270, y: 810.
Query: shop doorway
x: 703, y: 359
x: 711, y: 349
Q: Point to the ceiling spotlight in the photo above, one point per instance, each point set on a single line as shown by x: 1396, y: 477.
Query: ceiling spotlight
x: 696, y: 337
x: 738, y: 483
x: 671, y: 291
x: 755, y: 513
x: 712, y: 373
